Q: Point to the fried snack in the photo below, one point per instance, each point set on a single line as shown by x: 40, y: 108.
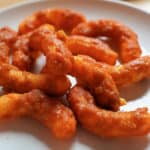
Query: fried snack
x: 7, y: 35
x: 13, y: 79
x: 126, y: 39
x: 61, y: 18
x: 60, y: 61
x: 106, y: 123
x: 7, y: 38
x: 98, y: 81
x: 23, y: 55
x: 131, y: 72
x: 49, y: 111
x: 125, y: 74
x: 4, y: 52
x: 58, y: 57
x: 91, y: 47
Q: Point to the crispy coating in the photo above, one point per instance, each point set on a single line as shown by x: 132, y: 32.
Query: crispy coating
x: 4, y: 52
x: 23, y: 55
x: 126, y: 74
x: 61, y: 61
x: 7, y: 38
x: 21, y: 81
x: 131, y: 72
x: 7, y: 35
x: 126, y: 39
x: 106, y: 123
x: 13, y: 79
x: 91, y: 47
x: 61, y: 18
x: 58, y: 57
x: 98, y: 81
x: 49, y: 111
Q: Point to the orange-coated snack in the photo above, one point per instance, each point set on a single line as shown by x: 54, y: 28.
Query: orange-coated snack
x: 125, y: 38
x: 69, y: 46
x: 23, y: 55
x: 125, y: 74
x: 91, y: 47
x: 58, y: 57
x: 106, y: 123
x: 98, y: 81
x: 7, y: 35
x: 61, y: 18
x: 21, y: 81
x: 49, y: 111
x: 4, y: 52
x: 7, y: 38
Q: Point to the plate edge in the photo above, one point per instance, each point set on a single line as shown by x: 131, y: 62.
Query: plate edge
x: 125, y: 4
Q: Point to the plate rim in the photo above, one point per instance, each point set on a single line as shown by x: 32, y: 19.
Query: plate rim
x: 26, y: 3
x: 120, y: 3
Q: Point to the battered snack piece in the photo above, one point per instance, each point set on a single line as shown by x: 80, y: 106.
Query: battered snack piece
x: 131, y: 72
x: 61, y: 18
x: 49, y: 111
x: 7, y: 38
x: 126, y: 39
x: 4, y: 52
x: 7, y: 35
x: 60, y: 61
x: 106, y: 123
x: 98, y: 81
x: 91, y: 47
x: 58, y: 57
x: 126, y: 74
x: 12, y: 78
x: 23, y: 55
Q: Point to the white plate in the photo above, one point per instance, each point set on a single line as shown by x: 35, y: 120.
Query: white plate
x: 24, y: 134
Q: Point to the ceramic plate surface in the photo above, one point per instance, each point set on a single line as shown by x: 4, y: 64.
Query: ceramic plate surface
x: 26, y: 134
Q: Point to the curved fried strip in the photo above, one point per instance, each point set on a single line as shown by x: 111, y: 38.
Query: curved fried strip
x: 107, y: 123
x: 50, y: 112
x: 61, y: 18
x: 126, y: 74
x: 7, y: 38
x: 125, y: 38
x: 91, y: 47
x: 131, y: 72
x: 23, y: 55
x: 21, y: 81
x: 58, y: 57
x: 98, y: 81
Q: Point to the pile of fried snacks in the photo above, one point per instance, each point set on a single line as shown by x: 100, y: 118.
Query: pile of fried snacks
x: 84, y: 49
